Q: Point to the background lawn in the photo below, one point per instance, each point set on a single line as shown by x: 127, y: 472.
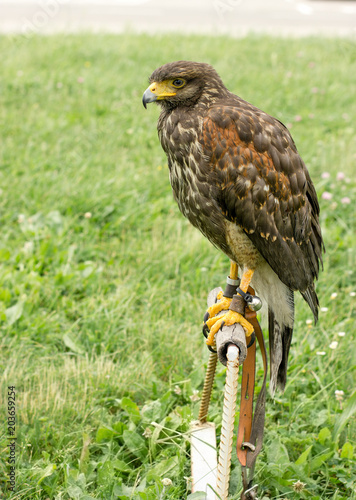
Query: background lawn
x: 103, y: 283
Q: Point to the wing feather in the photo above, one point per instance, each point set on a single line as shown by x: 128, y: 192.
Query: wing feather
x: 265, y: 188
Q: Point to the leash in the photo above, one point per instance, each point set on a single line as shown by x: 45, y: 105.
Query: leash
x: 251, y: 424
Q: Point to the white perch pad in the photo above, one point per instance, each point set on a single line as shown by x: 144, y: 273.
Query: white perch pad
x: 203, y: 458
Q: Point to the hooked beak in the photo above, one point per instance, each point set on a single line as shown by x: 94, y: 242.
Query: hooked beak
x: 148, y: 97
x: 156, y: 92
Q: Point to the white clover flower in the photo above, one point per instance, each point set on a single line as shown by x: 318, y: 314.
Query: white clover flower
x: 87, y: 215
x: 147, y: 433
x: 166, y: 481
x: 194, y: 396
x: 334, y: 344
x: 320, y: 353
x: 324, y: 309
x: 177, y: 390
x: 352, y: 294
x: 309, y: 322
x: 326, y: 195
x: 333, y: 295
x: 298, y: 486
x: 341, y: 334
x: 345, y: 200
x: 339, y: 395
x: 28, y: 247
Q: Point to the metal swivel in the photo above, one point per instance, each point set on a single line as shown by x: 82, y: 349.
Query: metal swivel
x: 255, y: 303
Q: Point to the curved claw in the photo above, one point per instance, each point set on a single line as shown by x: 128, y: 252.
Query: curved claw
x: 252, y: 340
x: 214, y: 328
x: 211, y: 349
x: 205, y: 330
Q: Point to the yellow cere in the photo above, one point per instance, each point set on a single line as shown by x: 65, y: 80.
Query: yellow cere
x: 162, y: 89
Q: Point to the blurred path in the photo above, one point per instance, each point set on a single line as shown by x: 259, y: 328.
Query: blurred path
x: 235, y: 17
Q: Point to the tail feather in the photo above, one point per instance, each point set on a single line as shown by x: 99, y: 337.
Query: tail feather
x: 312, y: 300
x: 280, y: 338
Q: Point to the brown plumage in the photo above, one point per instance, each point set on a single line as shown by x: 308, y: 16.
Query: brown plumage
x: 237, y: 176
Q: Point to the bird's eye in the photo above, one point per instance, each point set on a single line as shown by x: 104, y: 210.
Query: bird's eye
x: 178, y: 82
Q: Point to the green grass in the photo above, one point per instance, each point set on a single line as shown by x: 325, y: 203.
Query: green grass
x: 101, y: 315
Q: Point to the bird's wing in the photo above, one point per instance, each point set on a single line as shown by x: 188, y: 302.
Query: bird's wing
x: 261, y: 183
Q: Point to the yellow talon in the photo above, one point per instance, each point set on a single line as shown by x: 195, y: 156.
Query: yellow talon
x: 230, y: 318
x: 223, y: 305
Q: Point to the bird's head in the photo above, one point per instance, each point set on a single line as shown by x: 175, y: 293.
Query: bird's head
x: 183, y: 83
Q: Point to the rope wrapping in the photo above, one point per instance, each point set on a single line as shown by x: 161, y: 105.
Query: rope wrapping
x: 228, y: 421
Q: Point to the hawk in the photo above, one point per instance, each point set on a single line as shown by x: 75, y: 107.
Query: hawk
x: 237, y: 176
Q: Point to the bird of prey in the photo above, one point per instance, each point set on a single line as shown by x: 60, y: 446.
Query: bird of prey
x: 237, y: 176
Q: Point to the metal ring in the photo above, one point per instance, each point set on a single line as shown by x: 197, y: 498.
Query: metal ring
x: 232, y: 282
x: 250, y: 490
x: 248, y: 445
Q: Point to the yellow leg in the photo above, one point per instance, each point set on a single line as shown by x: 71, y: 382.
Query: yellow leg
x: 233, y: 270
x: 231, y: 317
x: 225, y: 302
x: 246, y: 279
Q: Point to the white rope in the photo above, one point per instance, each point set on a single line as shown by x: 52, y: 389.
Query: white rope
x: 228, y: 420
